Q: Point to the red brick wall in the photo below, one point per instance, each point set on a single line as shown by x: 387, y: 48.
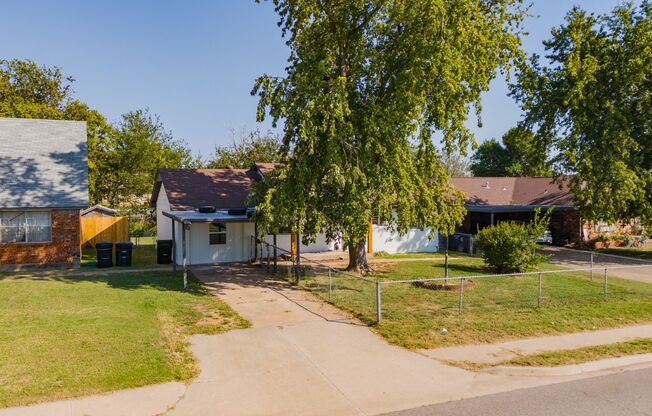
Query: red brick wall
x: 62, y: 249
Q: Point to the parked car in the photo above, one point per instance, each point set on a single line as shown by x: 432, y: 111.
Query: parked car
x: 545, y: 238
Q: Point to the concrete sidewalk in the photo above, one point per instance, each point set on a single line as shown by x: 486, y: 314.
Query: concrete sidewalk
x: 495, y: 353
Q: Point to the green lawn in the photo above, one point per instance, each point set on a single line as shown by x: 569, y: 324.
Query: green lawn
x: 67, y: 337
x: 142, y: 256
x: 644, y: 253
x: 496, y: 309
x: 383, y: 255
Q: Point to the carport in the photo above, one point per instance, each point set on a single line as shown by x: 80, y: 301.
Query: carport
x: 565, y: 224
x: 187, y: 218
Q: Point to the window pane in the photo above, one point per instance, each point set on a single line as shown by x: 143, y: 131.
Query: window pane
x: 217, y: 238
x: 217, y: 227
x: 38, y: 234
x: 12, y: 226
x: 41, y: 218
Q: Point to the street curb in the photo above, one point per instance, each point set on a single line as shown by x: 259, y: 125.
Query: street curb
x: 630, y: 362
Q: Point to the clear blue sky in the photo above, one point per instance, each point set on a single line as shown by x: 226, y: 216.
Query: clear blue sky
x: 194, y: 62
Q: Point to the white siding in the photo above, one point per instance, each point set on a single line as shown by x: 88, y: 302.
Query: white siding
x: 320, y: 245
x: 163, y: 223
x: 414, y: 241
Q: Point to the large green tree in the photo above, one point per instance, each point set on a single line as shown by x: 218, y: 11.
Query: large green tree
x: 367, y: 82
x: 249, y: 148
x: 521, y: 154
x: 591, y: 105
x: 490, y: 159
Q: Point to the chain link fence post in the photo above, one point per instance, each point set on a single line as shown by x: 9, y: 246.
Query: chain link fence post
x: 378, y: 304
x: 605, y: 289
x: 330, y: 284
x: 461, y: 294
x: 591, y: 266
x: 539, y: 293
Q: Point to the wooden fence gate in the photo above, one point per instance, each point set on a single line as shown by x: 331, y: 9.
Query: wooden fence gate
x: 96, y: 229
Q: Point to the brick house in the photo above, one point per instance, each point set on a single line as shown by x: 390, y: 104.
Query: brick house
x: 43, y: 187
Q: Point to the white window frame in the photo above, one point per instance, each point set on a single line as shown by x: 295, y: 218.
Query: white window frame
x: 221, y: 232
x: 26, y: 226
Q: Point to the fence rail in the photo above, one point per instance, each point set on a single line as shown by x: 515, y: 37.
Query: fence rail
x: 330, y: 272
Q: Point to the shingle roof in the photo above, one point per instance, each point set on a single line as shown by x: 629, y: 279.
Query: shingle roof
x: 188, y: 189
x: 519, y: 191
x: 43, y: 164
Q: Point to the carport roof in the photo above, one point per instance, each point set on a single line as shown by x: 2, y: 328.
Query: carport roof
x: 189, y: 217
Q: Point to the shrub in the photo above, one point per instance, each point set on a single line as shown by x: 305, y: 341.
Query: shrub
x: 510, y: 247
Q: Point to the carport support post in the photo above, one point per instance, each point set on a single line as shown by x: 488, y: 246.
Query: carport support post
x: 605, y: 284
x: 174, y: 248
x: 185, y: 262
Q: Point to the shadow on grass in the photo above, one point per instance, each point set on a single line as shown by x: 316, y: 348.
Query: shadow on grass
x: 159, y: 280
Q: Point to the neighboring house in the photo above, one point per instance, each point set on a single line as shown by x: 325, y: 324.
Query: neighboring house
x: 43, y: 187
x: 99, y: 211
x: 227, y: 234
x: 489, y: 200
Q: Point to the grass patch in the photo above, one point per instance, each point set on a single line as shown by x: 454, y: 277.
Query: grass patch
x: 141, y: 256
x: 497, y: 309
x: 68, y: 337
x: 644, y: 253
x: 384, y: 255
x: 583, y: 355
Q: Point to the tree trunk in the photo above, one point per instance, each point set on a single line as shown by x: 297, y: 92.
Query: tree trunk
x: 358, y: 257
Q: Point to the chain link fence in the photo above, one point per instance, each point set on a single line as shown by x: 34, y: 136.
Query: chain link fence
x: 572, y: 278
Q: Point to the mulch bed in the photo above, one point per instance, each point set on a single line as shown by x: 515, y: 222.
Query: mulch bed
x: 454, y: 285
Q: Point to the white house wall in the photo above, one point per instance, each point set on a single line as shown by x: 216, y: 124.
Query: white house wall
x: 200, y: 251
x: 163, y: 223
x: 414, y: 241
x: 320, y: 245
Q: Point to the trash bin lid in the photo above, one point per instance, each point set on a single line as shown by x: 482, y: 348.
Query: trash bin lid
x: 124, y: 244
x: 104, y: 244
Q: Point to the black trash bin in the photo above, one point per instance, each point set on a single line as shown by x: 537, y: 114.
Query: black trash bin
x: 104, y: 254
x: 123, y: 251
x: 164, y: 251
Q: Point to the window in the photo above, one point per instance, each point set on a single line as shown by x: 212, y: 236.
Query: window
x: 25, y: 227
x: 217, y: 233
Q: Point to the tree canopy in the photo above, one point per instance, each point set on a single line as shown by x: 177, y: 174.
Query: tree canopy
x: 246, y: 150
x: 591, y: 105
x: 369, y: 81
x: 520, y: 155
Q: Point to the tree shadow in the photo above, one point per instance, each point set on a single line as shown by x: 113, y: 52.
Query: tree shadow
x: 59, y: 179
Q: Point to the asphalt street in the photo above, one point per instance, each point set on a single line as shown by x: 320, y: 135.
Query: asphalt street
x: 628, y: 393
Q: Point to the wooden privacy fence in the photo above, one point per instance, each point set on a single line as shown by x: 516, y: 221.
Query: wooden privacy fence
x: 96, y: 229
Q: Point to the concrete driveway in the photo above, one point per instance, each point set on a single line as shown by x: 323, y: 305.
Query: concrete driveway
x: 582, y: 259
x: 305, y: 357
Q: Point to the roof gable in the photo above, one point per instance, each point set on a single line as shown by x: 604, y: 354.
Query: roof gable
x: 43, y: 164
